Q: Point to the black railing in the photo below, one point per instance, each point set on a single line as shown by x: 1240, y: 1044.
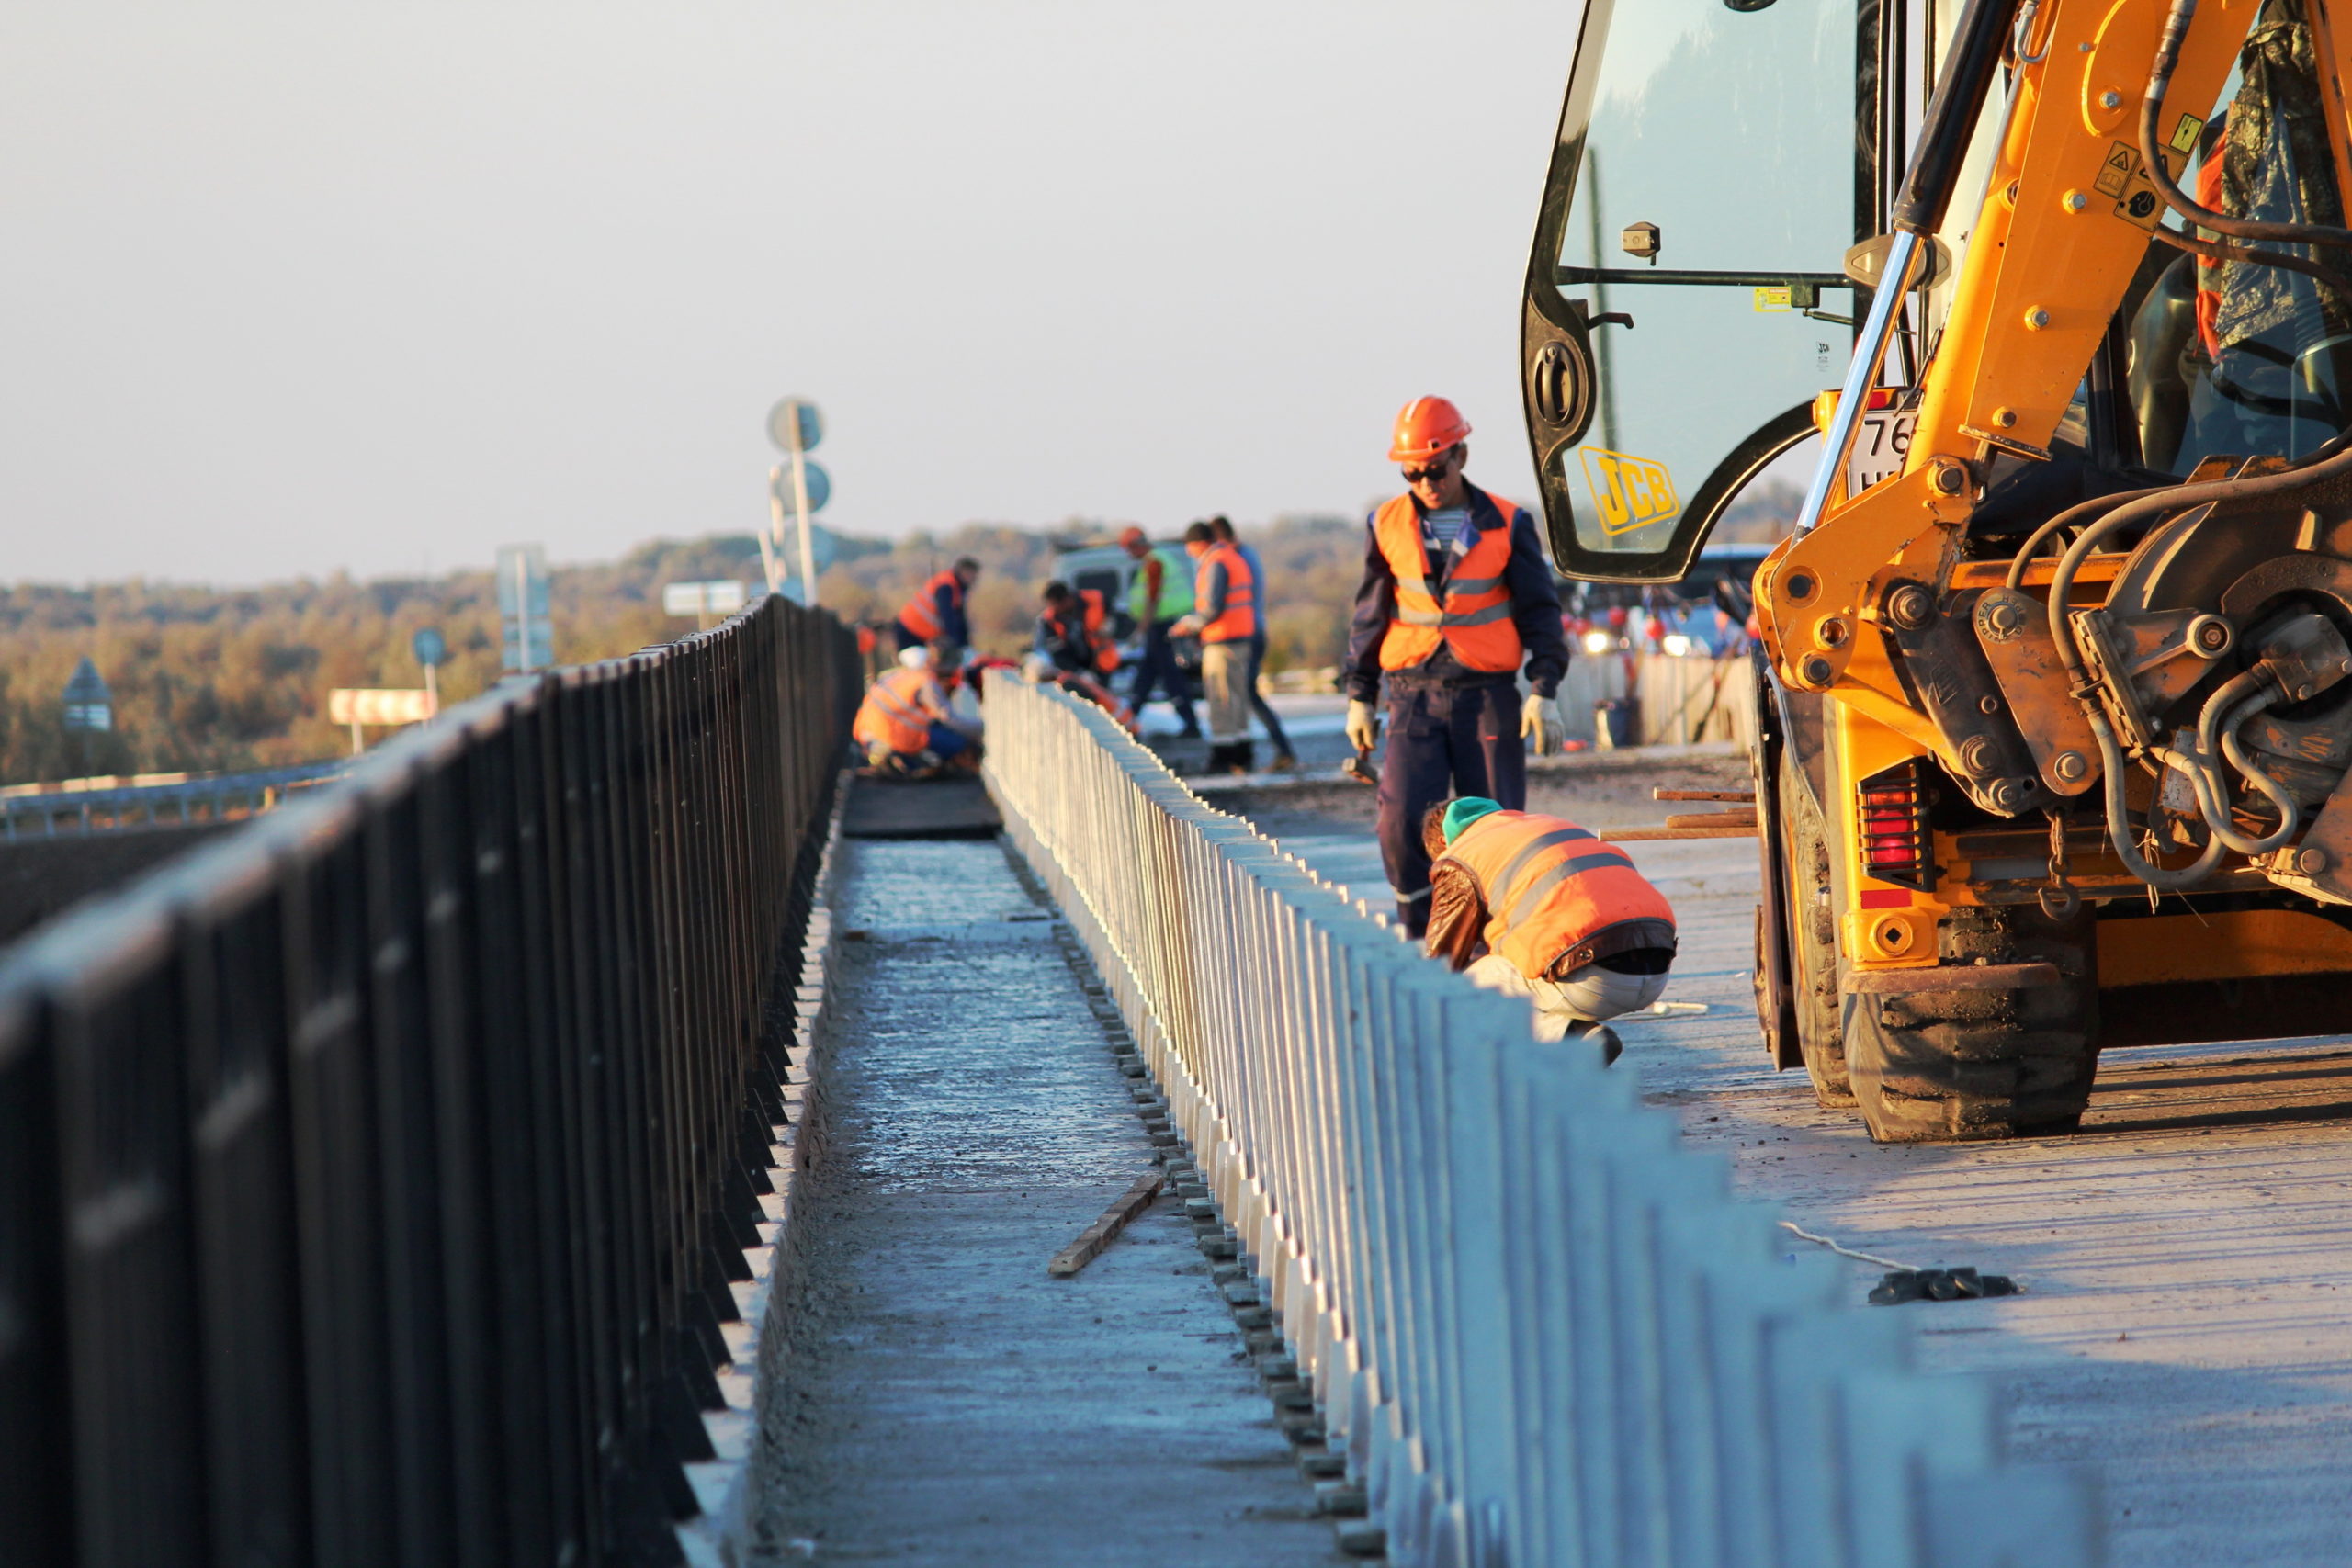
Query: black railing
x: 371, y: 1181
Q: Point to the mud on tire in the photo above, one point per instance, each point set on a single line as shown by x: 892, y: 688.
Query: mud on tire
x: 1933, y: 1067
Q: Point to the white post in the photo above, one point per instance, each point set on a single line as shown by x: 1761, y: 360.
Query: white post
x: 522, y: 622
x: 800, y: 510
x: 773, y: 541
x: 356, y: 745
x: 432, y: 690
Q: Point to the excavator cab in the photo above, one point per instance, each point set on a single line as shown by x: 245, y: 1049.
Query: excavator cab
x: 2054, y: 684
x: 1687, y: 298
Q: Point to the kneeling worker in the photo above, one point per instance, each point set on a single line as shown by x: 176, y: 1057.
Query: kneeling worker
x: 905, y: 723
x: 1538, y: 906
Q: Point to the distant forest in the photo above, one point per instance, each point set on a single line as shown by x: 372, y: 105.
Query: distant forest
x: 220, y: 679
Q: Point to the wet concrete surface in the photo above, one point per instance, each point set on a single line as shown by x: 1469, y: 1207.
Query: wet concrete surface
x: 2186, y: 1328
x: 942, y: 1399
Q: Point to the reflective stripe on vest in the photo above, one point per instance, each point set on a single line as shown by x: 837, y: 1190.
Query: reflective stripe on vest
x: 1238, y: 621
x: 1548, y: 886
x: 891, y: 716
x: 1475, y: 620
x: 920, y: 614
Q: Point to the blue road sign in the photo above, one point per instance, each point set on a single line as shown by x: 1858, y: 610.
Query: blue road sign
x: 796, y: 416
x: 429, y: 646
x: 820, y: 486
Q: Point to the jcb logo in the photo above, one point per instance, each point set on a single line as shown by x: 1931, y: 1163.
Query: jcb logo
x: 1630, y: 492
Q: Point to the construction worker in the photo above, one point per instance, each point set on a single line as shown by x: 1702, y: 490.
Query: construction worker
x: 1225, y: 617
x: 1063, y: 637
x: 1285, y: 760
x: 1157, y: 598
x: 1537, y: 907
x: 936, y: 610
x: 906, y: 724
x: 1456, y: 593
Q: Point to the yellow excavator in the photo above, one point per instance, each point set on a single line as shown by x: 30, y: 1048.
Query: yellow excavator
x: 2053, y: 717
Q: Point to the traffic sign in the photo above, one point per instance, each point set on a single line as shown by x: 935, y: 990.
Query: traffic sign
x: 796, y: 418
x: 820, y: 486
x: 380, y: 706
x: 523, y: 608
x: 429, y: 646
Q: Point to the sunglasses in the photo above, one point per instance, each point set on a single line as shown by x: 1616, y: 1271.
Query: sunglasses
x: 1436, y: 470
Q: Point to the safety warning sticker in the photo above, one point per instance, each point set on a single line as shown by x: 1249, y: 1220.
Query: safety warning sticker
x: 1628, y: 493
x: 2123, y: 176
x: 1772, y: 297
x: 2117, y: 172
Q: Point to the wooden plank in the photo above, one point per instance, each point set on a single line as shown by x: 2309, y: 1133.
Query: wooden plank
x: 1712, y: 819
x: 1738, y: 796
x: 1102, y: 1232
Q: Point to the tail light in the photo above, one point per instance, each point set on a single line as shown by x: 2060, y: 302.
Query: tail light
x: 1893, y: 820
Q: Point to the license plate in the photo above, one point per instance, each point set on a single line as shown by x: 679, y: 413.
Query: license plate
x: 1879, y: 447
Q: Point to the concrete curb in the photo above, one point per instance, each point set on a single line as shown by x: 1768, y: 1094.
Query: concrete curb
x: 721, y: 1535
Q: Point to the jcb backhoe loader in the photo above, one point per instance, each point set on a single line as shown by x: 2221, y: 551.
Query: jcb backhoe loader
x: 2053, y: 710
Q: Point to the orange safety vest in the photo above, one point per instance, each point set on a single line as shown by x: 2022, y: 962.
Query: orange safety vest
x: 1475, y: 621
x: 892, y: 713
x: 1550, y: 886
x: 1098, y: 615
x: 920, y: 614
x: 1238, y: 621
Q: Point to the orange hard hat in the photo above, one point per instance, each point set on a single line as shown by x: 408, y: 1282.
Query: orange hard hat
x: 1131, y: 535
x: 1426, y: 427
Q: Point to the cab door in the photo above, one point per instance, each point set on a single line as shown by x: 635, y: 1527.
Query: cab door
x: 1687, y: 297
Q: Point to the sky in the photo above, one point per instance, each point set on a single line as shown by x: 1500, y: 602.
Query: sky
x: 287, y: 289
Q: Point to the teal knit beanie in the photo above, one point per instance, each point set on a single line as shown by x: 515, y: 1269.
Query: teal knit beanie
x: 1463, y: 812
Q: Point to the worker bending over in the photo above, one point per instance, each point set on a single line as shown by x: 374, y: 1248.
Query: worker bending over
x: 906, y: 724
x: 1537, y: 907
x: 1225, y: 615
x: 936, y: 611
x: 1064, y: 638
x: 1456, y: 592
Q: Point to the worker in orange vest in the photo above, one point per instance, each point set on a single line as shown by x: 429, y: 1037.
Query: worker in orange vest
x: 936, y: 610
x: 1456, y: 593
x: 1225, y: 617
x: 906, y: 724
x: 1537, y: 907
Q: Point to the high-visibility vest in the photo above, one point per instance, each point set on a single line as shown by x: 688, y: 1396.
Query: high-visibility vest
x: 1238, y: 621
x: 1175, y: 596
x: 892, y: 713
x: 1474, y: 621
x: 1550, y: 886
x: 1098, y: 620
x: 920, y: 614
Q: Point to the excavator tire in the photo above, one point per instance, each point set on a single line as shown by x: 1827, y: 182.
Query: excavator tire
x: 1941, y: 1066
x: 1813, y: 939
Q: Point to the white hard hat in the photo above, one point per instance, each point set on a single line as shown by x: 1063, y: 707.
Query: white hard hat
x: 914, y: 658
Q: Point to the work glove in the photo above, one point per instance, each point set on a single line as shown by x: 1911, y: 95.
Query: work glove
x: 1539, y: 719
x: 1363, y: 725
x: 1185, y: 626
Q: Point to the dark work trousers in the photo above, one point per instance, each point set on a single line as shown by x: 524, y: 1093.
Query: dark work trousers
x: 1443, y: 740
x: 1265, y: 710
x: 1156, y: 667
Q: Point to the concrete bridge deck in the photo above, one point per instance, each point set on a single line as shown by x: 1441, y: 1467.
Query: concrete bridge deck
x: 941, y: 1398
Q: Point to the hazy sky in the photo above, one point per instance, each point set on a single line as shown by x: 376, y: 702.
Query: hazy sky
x: 287, y: 289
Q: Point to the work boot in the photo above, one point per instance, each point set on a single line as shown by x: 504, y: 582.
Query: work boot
x: 1286, y: 762
x: 1599, y: 1034
x: 1244, y: 758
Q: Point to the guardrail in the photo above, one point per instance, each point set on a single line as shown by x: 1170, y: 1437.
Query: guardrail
x: 1541, y: 1329
x: 119, y: 805
x: 372, y: 1179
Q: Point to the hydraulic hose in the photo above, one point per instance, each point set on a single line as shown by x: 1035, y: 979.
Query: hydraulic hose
x: 2289, y: 811
x: 2118, y: 821
x: 2152, y: 146
x: 2216, y: 250
x: 2066, y: 519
